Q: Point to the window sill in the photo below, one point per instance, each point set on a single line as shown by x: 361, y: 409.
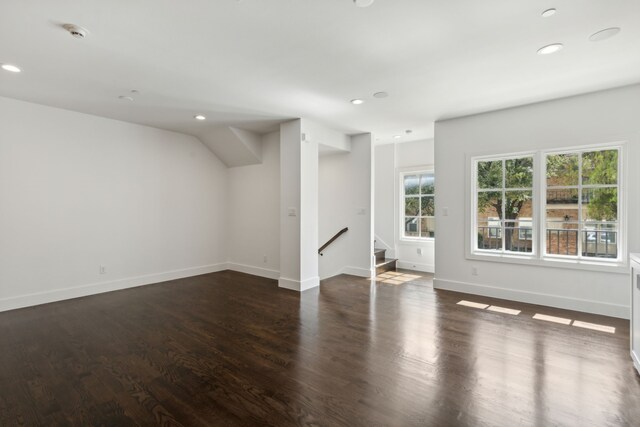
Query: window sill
x: 617, y: 267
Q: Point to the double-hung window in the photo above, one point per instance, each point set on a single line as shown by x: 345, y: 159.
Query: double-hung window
x: 418, y: 206
x: 561, y: 205
x: 582, y: 204
x: 504, y: 204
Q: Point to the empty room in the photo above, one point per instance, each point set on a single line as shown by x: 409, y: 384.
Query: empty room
x: 319, y: 213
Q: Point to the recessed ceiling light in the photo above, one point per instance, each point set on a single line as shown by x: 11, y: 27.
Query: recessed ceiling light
x: 200, y: 117
x: 363, y: 3
x: 551, y: 48
x: 604, y: 34
x: 408, y: 131
x: 549, y: 12
x: 135, y: 92
x: 380, y: 95
x: 125, y: 98
x: 12, y: 68
x: 357, y: 101
x: 397, y: 136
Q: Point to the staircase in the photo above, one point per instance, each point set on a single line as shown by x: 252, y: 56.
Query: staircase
x: 382, y: 263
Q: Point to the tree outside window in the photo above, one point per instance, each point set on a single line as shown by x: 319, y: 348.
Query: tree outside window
x: 419, y: 205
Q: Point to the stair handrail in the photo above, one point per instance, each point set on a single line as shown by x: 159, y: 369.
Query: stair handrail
x: 331, y: 240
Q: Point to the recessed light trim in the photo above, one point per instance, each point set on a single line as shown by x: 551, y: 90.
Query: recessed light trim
x: 125, y: 98
x: 380, y: 95
x: 357, y: 101
x: 549, y: 12
x: 397, y: 136
x: 11, y: 68
x: 607, y: 33
x: 199, y: 117
x: 550, y: 48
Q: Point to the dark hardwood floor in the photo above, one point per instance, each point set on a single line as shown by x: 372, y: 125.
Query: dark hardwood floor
x: 232, y: 349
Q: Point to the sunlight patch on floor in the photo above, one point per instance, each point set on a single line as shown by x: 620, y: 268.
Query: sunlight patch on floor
x: 594, y: 326
x: 395, y: 277
x: 473, y: 304
x: 504, y: 310
x: 553, y: 319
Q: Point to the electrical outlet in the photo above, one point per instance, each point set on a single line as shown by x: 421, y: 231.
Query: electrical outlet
x: 264, y: 258
x: 419, y: 251
x: 103, y: 269
x: 474, y: 271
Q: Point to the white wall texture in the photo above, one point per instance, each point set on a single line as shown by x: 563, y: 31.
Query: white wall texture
x: 601, y: 117
x: 78, y: 192
x: 345, y: 200
x: 390, y: 161
x: 253, y: 207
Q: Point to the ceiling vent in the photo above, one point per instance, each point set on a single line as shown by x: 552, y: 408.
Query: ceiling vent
x: 76, y: 31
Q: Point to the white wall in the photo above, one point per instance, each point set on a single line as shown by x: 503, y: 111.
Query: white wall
x: 79, y: 191
x: 298, y: 208
x: 254, y: 213
x: 390, y: 161
x: 345, y: 200
x: 601, y: 117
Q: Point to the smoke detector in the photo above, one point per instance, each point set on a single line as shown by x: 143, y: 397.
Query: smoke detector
x: 76, y: 31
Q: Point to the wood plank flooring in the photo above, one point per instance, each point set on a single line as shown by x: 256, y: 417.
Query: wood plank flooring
x: 228, y: 349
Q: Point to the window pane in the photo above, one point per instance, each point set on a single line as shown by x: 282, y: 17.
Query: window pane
x: 600, y: 167
x: 517, y: 203
x: 411, y: 184
x: 599, y: 240
x: 411, y: 227
x: 489, y: 204
x: 563, y: 197
x: 489, y: 234
x: 427, y: 184
x: 490, y: 174
x: 427, y: 206
x: 562, y: 205
x: 517, y: 239
x: 411, y: 206
x: 562, y: 238
x: 519, y: 173
x: 427, y: 227
x: 562, y: 170
x: 600, y: 204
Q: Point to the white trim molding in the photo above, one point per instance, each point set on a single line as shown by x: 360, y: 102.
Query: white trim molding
x: 54, y: 295
x: 256, y: 271
x: 298, y: 285
x: 408, y: 265
x: 569, y: 303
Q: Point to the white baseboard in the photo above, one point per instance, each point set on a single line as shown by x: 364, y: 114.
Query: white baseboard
x: 297, y: 285
x: 256, y: 271
x: 356, y: 271
x: 38, y: 298
x: 589, y: 306
x: 408, y: 265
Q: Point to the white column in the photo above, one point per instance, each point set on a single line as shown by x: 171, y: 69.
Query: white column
x: 298, y: 209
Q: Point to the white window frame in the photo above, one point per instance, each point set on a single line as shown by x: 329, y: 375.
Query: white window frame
x: 401, y: 200
x: 538, y: 256
x: 620, y: 259
x: 492, y: 253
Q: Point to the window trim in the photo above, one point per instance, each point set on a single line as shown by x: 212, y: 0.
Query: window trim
x: 401, y: 173
x: 618, y: 265
x: 472, y: 245
x: 621, y: 241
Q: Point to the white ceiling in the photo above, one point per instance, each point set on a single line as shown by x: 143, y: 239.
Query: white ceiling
x: 254, y: 63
